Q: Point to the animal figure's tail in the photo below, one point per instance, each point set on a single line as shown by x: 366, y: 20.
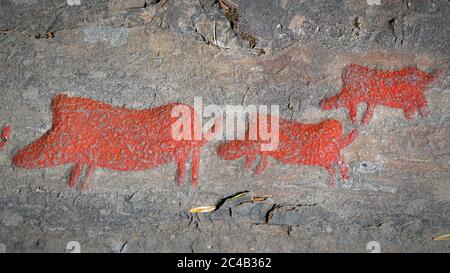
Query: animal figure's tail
x: 209, y: 135
x: 5, y: 136
x: 349, y: 138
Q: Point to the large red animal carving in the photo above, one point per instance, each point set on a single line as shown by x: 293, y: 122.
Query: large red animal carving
x: 299, y: 144
x: 4, y: 136
x: 97, y: 135
x: 402, y: 89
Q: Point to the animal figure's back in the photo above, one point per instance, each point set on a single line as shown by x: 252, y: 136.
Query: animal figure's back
x: 309, y: 144
x: 97, y: 133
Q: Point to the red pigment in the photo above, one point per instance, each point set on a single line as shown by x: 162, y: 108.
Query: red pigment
x: 4, y: 137
x: 403, y: 89
x: 299, y: 144
x: 92, y: 134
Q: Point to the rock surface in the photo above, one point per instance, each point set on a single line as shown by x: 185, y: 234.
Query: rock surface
x: 142, y: 54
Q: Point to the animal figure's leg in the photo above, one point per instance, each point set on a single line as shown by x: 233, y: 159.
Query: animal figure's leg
x: 353, y: 111
x: 195, y: 165
x: 369, y: 113
x: 343, y: 168
x: 263, y: 164
x: 422, y: 106
x: 345, y: 141
x: 249, y: 159
x: 76, y: 171
x: 409, y: 112
x: 332, y: 174
x: 424, y: 111
x: 181, y: 170
x: 87, y: 177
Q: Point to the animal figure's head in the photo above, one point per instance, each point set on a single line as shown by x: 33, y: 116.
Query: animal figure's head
x: 330, y: 103
x: 354, y: 87
x: 345, y: 98
x: 41, y: 153
x: 4, y: 137
x: 426, y: 78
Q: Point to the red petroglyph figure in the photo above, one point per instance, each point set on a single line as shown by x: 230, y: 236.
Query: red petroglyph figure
x: 89, y: 133
x: 300, y: 144
x: 4, y: 137
x: 403, y: 89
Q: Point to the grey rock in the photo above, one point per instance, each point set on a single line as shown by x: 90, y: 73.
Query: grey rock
x: 141, y: 56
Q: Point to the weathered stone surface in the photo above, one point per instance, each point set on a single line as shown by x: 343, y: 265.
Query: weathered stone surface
x: 141, y: 55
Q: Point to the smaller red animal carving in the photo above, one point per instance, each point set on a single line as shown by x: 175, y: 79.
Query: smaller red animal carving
x: 4, y: 137
x: 403, y: 89
x: 299, y: 144
x: 93, y: 134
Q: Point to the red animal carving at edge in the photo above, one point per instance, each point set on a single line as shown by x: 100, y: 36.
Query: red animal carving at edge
x: 97, y: 135
x: 4, y: 137
x: 299, y: 144
x: 403, y: 89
